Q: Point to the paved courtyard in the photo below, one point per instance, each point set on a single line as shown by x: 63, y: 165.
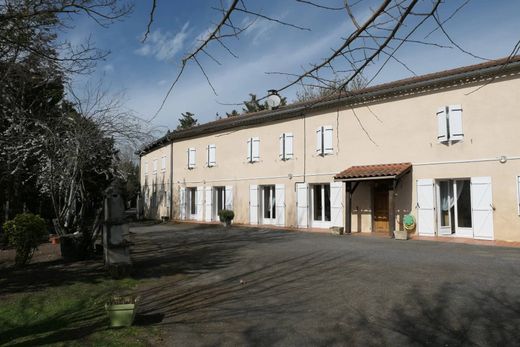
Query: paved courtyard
x: 253, y: 286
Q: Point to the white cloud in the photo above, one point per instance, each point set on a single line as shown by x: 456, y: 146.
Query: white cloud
x: 164, y: 46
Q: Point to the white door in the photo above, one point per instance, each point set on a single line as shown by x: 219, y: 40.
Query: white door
x: 182, y: 203
x: 280, y: 204
x: 199, y: 193
x: 253, y: 204
x: 208, y: 206
x: 425, y: 207
x: 482, y: 207
x: 320, y: 206
x: 445, y: 207
x: 228, y: 198
x: 336, y: 203
x: 268, y: 204
x: 302, y: 201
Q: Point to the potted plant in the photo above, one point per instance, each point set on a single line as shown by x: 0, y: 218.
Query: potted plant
x: 226, y: 216
x: 408, y: 224
x: 121, y: 310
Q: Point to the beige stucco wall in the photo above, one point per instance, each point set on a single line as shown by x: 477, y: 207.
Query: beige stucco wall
x: 157, y: 183
x: 403, y: 129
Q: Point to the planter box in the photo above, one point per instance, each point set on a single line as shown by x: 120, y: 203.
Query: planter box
x: 121, y: 315
x: 401, y: 235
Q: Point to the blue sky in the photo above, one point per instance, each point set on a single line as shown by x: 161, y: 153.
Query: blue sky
x: 143, y: 72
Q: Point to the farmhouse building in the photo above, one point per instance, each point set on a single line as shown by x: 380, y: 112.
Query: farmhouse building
x: 443, y: 147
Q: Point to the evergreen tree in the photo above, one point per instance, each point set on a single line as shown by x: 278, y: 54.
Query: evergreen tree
x: 233, y: 113
x: 187, y: 121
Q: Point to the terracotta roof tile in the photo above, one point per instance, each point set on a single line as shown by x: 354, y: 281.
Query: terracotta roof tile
x: 380, y: 170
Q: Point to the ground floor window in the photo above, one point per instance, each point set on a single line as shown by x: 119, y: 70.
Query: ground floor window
x: 219, y: 198
x: 320, y: 204
x: 454, y: 201
x: 268, y: 204
x: 192, y: 201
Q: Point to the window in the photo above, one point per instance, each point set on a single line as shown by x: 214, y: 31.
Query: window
x: 191, y: 158
x: 454, y: 201
x: 320, y: 204
x: 449, y: 124
x: 253, y: 149
x: 324, y: 140
x: 145, y: 168
x: 192, y: 199
x: 155, y: 166
x: 220, y: 199
x: 286, y: 146
x: 268, y: 204
x: 163, y: 163
x: 211, y: 159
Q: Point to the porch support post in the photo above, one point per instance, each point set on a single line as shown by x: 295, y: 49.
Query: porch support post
x: 391, y: 210
x: 348, y: 209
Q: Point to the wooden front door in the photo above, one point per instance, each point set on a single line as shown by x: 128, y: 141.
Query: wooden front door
x: 381, y: 210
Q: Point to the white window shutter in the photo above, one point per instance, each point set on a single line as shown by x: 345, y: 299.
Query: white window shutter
x: 191, y: 158
x: 250, y: 150
x: 145, y: 168
x: 319, y: 141
x: 482, y: 208
x: 455, y: 121
x: 212, y: 160
x: 163, y: 163
x: 168, y: 199
x: 328, y: 148
x: 155, y: 165
x: 253, y: 204
x: 425, y: 207
x: 199, y: 194
x: 280, y: 204
x: 281, y: 155
x: 229, y: 198
x: 208, y: 204
x: 302, y: 201
x: 256, y: 149
x: 182, y: 203
x: 336, y: 203
x: 442, y: 125
x: 289, y: 146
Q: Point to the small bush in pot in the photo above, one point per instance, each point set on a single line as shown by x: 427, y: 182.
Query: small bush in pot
x: 226, y: 216
x: 25, y: 232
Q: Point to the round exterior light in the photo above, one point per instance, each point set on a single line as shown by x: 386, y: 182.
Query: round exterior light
x: 503, y: 159
x: 273, y: 99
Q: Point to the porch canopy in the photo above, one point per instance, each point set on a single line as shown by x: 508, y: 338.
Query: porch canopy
x: 356, y: 174
x: 373, y: 172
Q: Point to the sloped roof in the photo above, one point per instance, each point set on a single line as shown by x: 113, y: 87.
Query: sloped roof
x: 374, y: 171
x: 464, y: 74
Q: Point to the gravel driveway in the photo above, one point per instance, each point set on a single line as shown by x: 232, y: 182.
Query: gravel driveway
x: 253, y: 286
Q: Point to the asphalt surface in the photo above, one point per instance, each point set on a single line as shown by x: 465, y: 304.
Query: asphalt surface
x: 260, y: 287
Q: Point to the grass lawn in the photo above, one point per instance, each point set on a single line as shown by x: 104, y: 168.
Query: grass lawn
x: 68, y: 315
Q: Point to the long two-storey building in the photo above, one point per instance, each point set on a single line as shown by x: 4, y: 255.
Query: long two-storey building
x: 444, y: 147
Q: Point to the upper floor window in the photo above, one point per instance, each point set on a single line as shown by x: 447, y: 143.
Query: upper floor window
x: 163, y: 163
x: 286, y: 146
x: 155, y: 166
x: 449, y: 124
x: 191, y: 158
x: 324, y: 140
x: 145, y: 168
x: 253, y: 149
x: 211, y: 155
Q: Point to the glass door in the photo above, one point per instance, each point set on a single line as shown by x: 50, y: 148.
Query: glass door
x: 320, y: 205
x: 454, y: 208
x: 219, y: 201
x: 268, y: 204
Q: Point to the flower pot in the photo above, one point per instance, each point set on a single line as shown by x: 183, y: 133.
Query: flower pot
x: 121, y: 315
x: 401, y: 235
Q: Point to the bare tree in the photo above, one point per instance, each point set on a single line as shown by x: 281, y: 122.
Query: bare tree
x: 374, y: 40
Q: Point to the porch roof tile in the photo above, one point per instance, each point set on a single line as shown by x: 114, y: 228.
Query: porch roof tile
x: 376, y: 171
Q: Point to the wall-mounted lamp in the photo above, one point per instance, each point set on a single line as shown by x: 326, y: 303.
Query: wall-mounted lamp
x: 290, y: 176
x: 502, y: 159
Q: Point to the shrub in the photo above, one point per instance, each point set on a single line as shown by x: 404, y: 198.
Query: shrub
x: 25, y: 233
x: 226, y: 215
